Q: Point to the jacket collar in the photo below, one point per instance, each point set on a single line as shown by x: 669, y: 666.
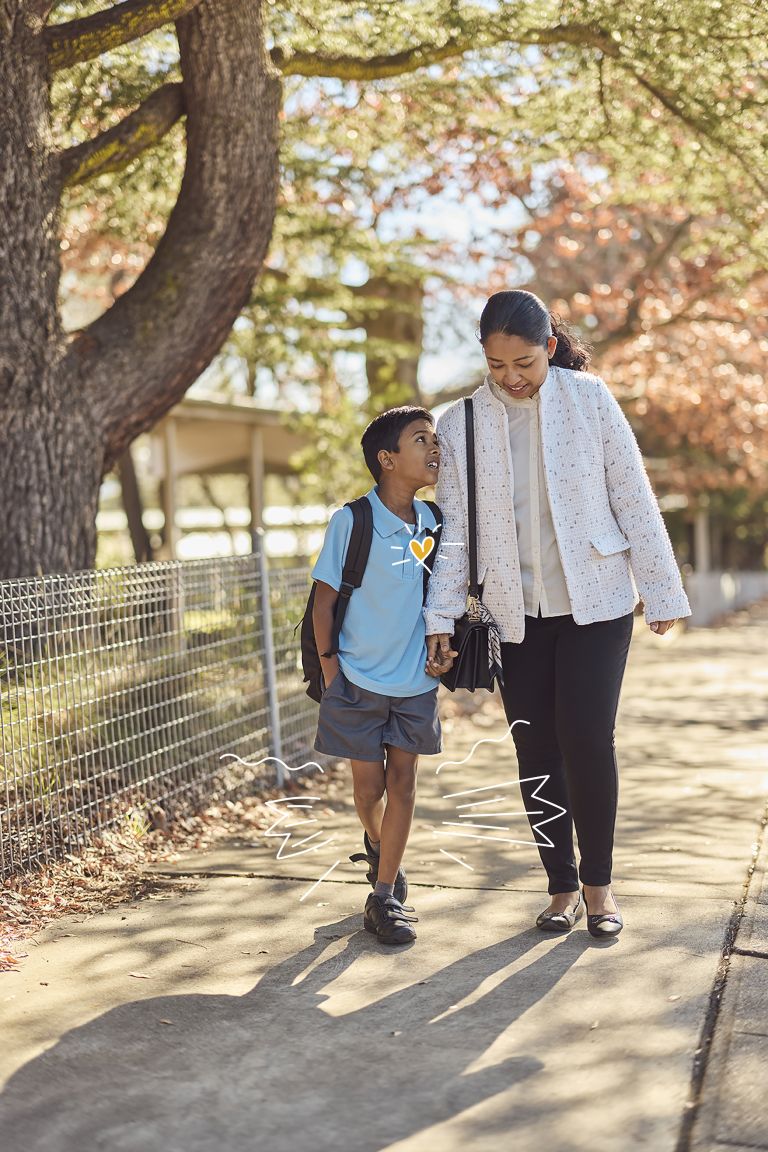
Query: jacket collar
x: 484, y: 394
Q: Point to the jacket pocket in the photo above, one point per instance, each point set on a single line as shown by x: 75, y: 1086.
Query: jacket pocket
x: 610, y: 542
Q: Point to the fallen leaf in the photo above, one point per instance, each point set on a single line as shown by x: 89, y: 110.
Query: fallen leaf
x: 139, y: 975
x: 166, y: 1021
x: 673, y: 997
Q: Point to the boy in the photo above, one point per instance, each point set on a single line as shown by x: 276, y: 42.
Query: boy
x: 379, y: 705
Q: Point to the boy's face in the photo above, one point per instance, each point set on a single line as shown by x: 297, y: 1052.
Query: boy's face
x: 417, y: 460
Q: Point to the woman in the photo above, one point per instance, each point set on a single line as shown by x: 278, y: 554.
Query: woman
x: 565, y: 519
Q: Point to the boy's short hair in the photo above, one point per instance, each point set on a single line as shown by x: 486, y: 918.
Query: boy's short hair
x: 383, y: 433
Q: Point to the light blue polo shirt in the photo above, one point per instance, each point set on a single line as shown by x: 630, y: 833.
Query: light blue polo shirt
x: 382, y: 646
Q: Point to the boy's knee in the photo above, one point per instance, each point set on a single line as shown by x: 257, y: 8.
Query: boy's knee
x: 368, y: 792
x: 401, y: 781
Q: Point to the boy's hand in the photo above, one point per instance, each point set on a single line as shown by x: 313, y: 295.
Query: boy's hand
x: 330, y: 667
x: 440, y: 655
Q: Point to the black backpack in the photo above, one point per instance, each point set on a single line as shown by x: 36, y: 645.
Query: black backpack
x: 352, y: 577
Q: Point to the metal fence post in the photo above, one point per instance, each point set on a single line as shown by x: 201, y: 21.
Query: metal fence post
x: 269, y: 656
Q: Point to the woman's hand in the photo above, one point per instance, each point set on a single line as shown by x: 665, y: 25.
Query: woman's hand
x: 661, y: 626
x: 440, y: 655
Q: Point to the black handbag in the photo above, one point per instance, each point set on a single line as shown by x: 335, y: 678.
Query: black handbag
x: 476, y: 635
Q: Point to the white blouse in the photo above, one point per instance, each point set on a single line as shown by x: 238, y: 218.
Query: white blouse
x: 541, y: 570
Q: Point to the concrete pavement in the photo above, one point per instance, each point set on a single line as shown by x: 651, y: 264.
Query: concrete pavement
x: 250, y: 1010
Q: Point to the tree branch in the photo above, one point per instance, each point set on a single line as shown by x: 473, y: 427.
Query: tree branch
x: 80, y: 40
x: 486, y: 35
x: 489, y: 34
x: 37, y: 12
x: 112, y: 150
x: 674, y: 105
x: 137, y: 359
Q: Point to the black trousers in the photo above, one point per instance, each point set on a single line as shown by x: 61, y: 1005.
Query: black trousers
x: 565, y: 679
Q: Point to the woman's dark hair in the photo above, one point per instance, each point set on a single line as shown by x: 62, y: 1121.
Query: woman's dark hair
x: 383, y: 433
x: 522, y: 314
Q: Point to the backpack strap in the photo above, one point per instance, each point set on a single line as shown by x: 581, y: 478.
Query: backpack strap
x: 436, y: 534
x: 358, y: 550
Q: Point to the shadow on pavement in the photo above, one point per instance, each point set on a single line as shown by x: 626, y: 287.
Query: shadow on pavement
x: 273, y: 1069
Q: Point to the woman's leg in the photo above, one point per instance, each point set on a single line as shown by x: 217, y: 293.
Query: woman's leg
x: 590, y: 663
x: 529, y: 694
x: 398, y: 814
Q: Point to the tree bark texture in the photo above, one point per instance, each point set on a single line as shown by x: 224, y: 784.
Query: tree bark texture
x: 69, y: 410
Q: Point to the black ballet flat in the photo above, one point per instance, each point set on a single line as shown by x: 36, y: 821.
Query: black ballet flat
x: 601, y: 926
x: 561, y: 921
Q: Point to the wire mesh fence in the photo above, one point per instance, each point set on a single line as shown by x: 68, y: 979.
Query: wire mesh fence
x: 159, y: 684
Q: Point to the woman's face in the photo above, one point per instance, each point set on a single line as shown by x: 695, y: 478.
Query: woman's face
x: 517, y: 367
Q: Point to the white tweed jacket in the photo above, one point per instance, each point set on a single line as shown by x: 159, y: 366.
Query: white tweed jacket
x: 610, y: 532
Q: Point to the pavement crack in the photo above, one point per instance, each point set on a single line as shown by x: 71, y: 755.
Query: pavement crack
x: 704, y: 1049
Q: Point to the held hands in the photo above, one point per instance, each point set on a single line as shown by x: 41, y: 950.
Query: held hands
x: 440, y: 655
x: 661, y: 626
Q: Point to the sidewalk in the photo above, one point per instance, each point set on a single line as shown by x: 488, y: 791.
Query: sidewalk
x: 250, y: 1011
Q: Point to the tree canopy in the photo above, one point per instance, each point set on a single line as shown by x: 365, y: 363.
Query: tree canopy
x: 160, y: 166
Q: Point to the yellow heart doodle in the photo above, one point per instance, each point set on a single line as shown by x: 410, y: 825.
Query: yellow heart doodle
x: 421, y: 551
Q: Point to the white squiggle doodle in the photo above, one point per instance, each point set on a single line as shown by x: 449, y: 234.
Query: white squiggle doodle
x: 277, y: 760
x: 485, y: 740
x: 541, y: 840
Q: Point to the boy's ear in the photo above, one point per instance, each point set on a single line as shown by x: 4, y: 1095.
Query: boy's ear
x: 385, y: 459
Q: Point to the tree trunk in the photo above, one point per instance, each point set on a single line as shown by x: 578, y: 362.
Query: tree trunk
x: 159, y: 336
x: 67, y: 414
x: 132, y: 505
x: 44, y: 478
x: 392, y: 314
x: 50, y: 475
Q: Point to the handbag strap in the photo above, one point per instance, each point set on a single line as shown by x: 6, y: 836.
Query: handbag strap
x: 469, y: 418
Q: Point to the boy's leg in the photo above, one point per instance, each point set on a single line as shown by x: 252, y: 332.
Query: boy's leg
x: 400, y: 778
x: 368, y: 784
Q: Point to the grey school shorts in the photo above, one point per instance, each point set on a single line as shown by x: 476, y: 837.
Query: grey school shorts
x: 357, y: 724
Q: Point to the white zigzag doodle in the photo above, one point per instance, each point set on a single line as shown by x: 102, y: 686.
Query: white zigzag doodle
x: 486, y: 814
x: 292, y: 805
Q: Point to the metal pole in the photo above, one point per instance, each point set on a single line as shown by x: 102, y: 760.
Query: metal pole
x: 256, y: 477
x: 269, y: 655
x: 169, y: 487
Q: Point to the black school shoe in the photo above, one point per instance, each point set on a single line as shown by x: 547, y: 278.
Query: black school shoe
x: 389, y: 921
x: 401, y: 883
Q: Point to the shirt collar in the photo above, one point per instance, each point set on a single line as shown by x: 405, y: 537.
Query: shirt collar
x: 386, y: 522
x: 510, y: 401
